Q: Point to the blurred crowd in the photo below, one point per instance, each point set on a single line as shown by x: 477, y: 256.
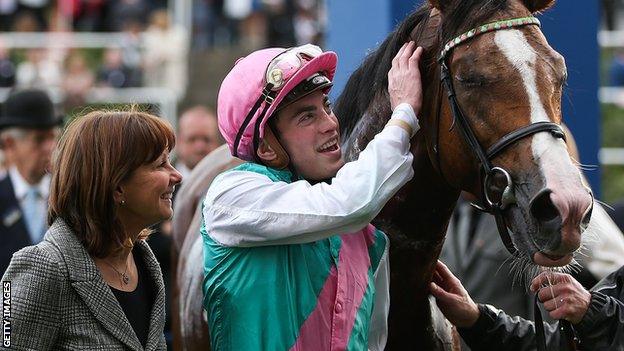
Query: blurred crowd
x: 77, y: 15
x: 151, y: 51
x: 152, y: 56
x: 257, y: 23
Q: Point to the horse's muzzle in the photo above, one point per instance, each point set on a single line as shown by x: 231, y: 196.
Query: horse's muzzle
x: 561, y: 217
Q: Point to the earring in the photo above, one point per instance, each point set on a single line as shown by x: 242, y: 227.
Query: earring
x: 123, y: 202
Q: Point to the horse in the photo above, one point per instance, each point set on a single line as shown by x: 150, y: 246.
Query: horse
x: 528, y: 179
x: 490, y: 82
x: 189, y: 326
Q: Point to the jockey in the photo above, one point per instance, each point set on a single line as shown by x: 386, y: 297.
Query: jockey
x: 290, y: 259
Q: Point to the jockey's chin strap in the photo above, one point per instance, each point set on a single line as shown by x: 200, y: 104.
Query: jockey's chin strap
x: 497, y: 204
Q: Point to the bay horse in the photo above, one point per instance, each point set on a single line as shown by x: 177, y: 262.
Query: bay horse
x: 190, y: 330
x: 490, y: 97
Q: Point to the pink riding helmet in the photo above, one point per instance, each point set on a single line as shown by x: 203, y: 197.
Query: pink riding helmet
x: 257, y: 84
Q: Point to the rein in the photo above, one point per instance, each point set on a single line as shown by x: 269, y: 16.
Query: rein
x: 496, y: 203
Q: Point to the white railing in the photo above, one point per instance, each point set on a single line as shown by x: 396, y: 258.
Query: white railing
x: 165, y: 98
x: 611, y: 39
x: 611, y: 156
x: 611, y: 95
x: 61, y: 40
x: 180, y: 13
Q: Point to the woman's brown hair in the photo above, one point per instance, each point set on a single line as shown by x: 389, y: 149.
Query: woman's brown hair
x: 96, y: 153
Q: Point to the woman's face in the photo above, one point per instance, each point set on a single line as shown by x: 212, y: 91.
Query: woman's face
x: 148, y: 191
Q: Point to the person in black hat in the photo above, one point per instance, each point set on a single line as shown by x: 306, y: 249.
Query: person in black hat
x: 29, y: 130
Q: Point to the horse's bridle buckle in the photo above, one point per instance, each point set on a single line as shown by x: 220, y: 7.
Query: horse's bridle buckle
x: 499, y: 180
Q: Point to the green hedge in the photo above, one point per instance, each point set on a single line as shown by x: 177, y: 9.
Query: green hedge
x: 612, y: 136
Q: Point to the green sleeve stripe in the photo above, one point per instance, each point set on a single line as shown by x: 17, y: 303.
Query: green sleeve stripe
x: 376, y: 250
x: 359, y: 334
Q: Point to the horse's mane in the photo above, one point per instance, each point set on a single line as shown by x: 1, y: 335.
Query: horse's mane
x: 372, y: 75
x: 371, y: 78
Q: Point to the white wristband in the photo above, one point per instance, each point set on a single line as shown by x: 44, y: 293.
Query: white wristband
x: 404, y: 112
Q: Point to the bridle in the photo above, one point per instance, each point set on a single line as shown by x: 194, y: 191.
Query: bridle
x: 491, y: 202
x: 496, y: 203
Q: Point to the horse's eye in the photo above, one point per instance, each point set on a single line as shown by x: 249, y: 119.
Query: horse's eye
x: 472, y: 80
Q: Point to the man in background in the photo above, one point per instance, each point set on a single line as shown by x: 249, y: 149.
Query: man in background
x: 198, y: 135
x: 29, y: 129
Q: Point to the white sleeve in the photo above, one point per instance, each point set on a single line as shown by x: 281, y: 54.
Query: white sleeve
x: 248, y: 209
x: 378, y: 330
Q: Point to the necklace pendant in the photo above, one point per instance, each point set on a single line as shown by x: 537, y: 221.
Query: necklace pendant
x: 125, y: 279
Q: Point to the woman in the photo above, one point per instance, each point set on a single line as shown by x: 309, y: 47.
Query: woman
x: 94, y: 282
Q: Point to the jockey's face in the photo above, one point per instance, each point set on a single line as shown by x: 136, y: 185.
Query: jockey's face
x: 308, y: 131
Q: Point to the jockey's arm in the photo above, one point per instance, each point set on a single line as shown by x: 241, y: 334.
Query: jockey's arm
x: 248, y: 209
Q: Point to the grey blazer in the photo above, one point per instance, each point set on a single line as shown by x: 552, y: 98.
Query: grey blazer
x: 59, y: 300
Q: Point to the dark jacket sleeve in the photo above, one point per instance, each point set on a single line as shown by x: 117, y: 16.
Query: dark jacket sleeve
x: 496, y: 330
x: 602, y: 327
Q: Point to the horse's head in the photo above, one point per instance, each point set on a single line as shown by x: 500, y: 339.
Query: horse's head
x: 507, y: 79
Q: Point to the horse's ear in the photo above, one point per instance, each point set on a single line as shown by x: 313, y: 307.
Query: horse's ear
x: 538, y: 5
x: 438, y: 4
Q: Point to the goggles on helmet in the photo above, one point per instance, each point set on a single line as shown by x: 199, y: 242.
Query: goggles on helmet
x: 285, y: 65
x: 279, y: 71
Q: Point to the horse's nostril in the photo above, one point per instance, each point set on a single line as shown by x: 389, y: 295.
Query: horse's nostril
x: 542, y: 208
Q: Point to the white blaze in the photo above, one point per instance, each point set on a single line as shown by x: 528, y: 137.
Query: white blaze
x: 548, y: 152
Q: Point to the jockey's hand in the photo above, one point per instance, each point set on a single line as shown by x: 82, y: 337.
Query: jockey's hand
x: 452, y: 298
x: 563, y: 296
x: 404, y: 84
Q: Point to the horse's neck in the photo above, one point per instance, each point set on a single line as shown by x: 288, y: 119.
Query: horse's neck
x: 417, y: 217
x: 415, y: 220
x: 422, y: 209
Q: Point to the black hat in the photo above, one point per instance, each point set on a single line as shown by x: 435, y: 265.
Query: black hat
x: 29, y: 108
